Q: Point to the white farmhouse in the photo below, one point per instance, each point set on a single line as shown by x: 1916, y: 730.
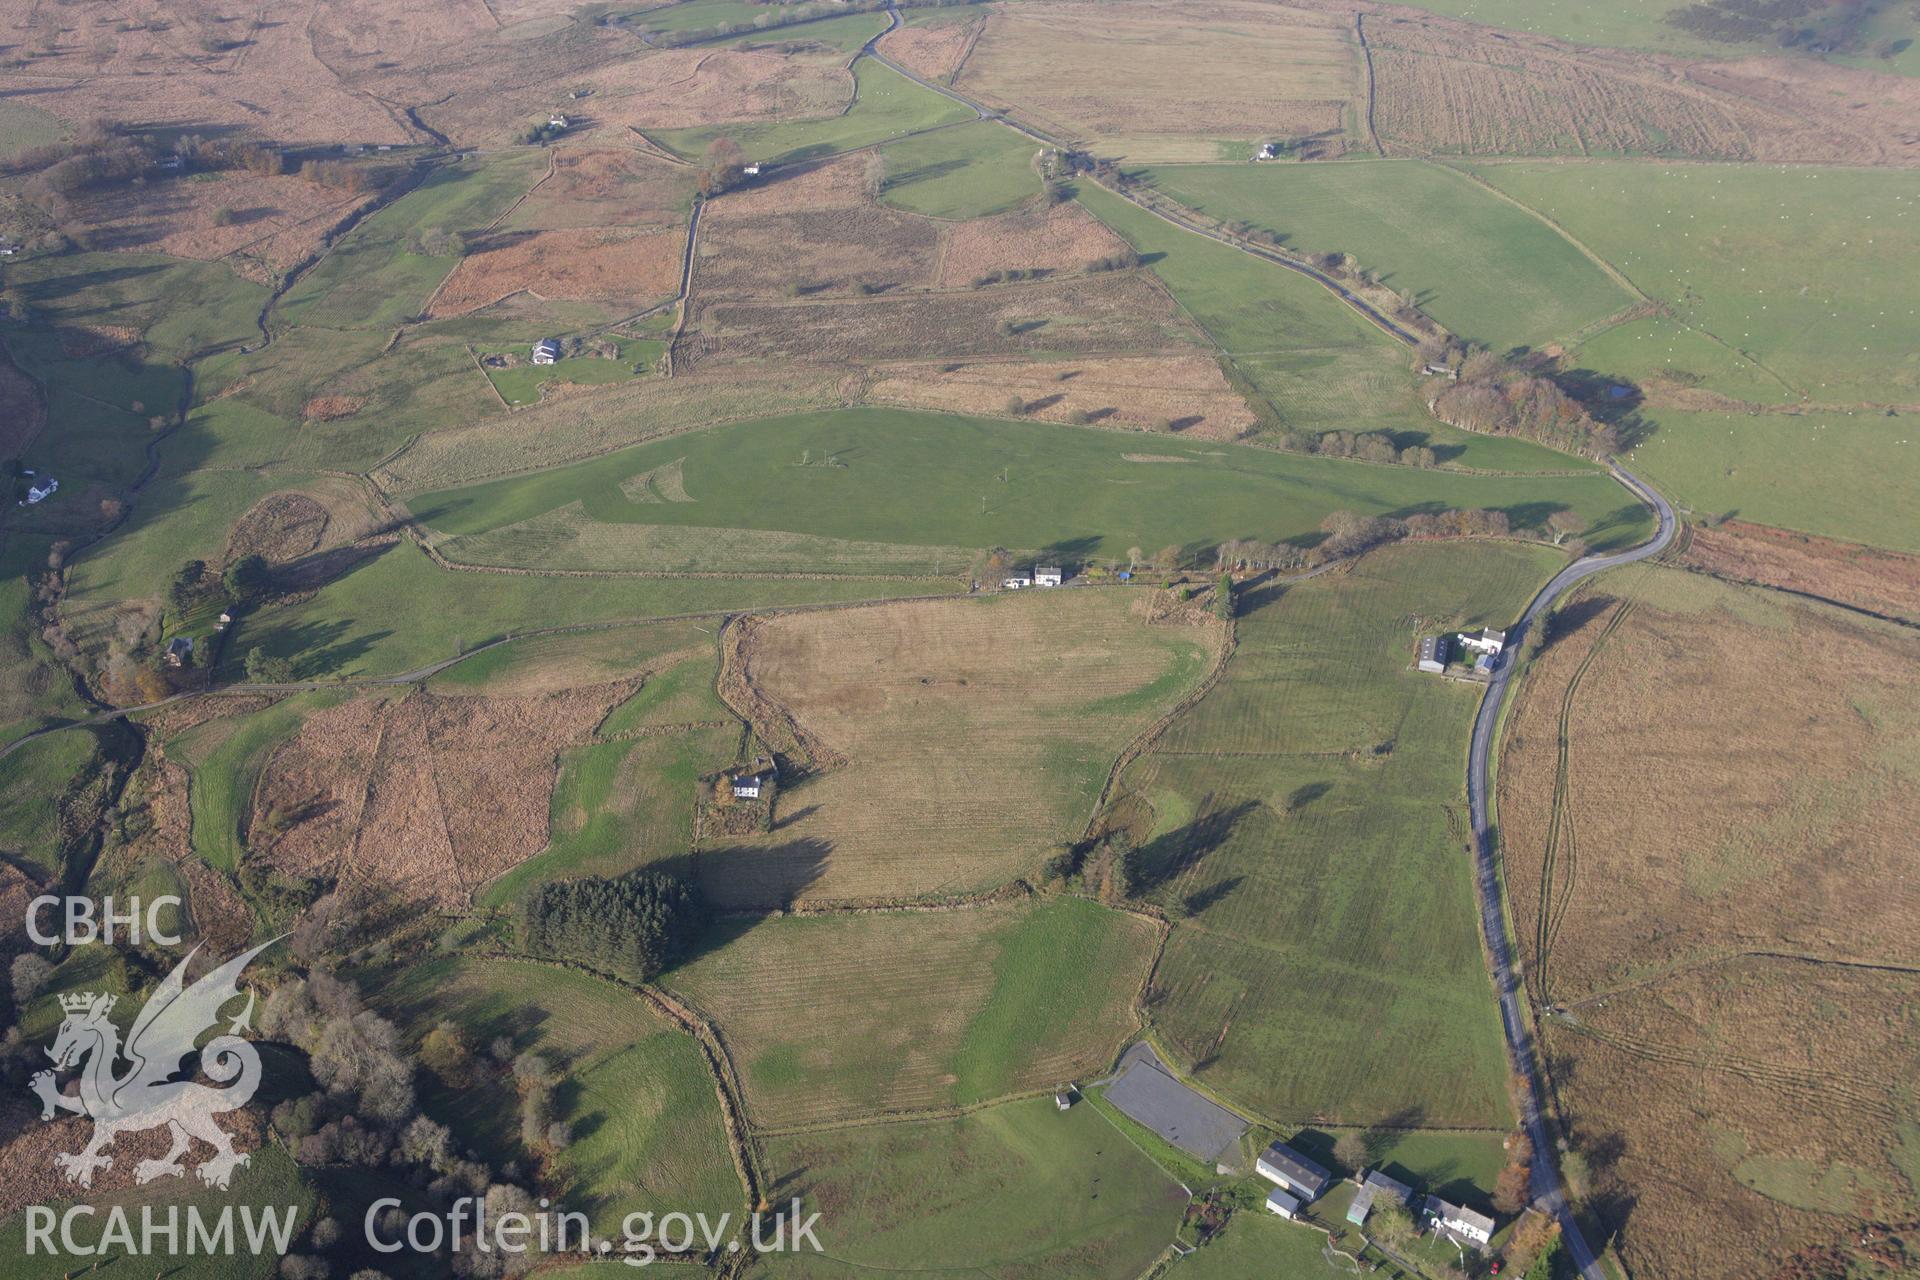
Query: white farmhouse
x: 1488, y: 641
x: 1460, y: 1223
x: 1048, y: 575
x: 546, y: 351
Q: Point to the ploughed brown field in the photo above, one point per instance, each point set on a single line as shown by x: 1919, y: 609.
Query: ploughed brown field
x: 1706, y: 804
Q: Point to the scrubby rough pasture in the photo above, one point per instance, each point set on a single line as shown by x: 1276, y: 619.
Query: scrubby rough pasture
x: 832, y: 1018
x: 1120, y: 311
x: 960, y: 740
x: 1306, y: 822
x: 815, y: 252
x: 1113, y: 391
x: 1053, y: 238
x: 1444, y: 87
x: 590, y: 187
x: 625, y: 269
x: 1729, y: 921
x: 425, y: 797
x: 1159, y: 81
x: 1882, y: 582
x: 933, y: 52
x: 262, y: 224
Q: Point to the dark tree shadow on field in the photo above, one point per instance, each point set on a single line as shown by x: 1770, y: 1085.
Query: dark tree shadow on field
x: 1382, y: 1136
x: 806, y: 812
x: 1301, y: 797
x: 1073, y: 551
x: 1570, y: 618
x: 789, y: 1184
x: 754, y: 878
x: 1161, y: 862
x: 1198, y: 901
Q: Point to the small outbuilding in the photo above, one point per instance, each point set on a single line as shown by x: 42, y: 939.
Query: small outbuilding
x: 1375, y: 1187
x: 1292, y: 1171
x: 1433, y: 654
x: 179, y: 651
x: 546, y: 351
x: 1063, y: 1099
x: 1283, y: 1204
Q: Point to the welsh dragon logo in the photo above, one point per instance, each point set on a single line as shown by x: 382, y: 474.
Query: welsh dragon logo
x: 146, y: 1095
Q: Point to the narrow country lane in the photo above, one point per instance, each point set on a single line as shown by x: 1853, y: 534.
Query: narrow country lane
x: 1547, y: 1189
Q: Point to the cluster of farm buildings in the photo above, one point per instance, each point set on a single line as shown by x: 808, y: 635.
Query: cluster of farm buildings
x: 1298, y: 1182
x: 1482, y: 651
x: 1043, y: 575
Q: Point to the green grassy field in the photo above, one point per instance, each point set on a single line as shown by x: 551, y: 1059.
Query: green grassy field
x: 355, y: 625
x: 34, y: 689
x: 31, y: 783
x: 1322, y: 365
x: 22, y: 126
x: 846, y: 33
x: 1812, y: 272
x: 970, y: 482
x: 1258, y: 1245
x: 911, y: 1012
x: 187, y: 518
x: 1019, y: 1190
x: 370, y: 280
x: 886, y: 104
x: 1474, y: 263
x: 179, y: 307
x: 620, y: 805
x: 647, y: 1128
x: 252, y: 408
x: 1306, y: 820
x: 522, y: 383
x: 1844, y: 474
x: 966, y: 172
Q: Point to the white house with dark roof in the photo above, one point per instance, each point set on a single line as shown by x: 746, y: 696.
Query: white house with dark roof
x: 1291, y: 1171
x: 1489, y: 641
x: 1459, y: 1223
x: 546, y: 351
x: 1048, y: 575
x: 752, y: 782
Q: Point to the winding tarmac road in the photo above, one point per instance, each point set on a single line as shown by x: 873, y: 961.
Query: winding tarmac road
x: 1547, y: 1190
